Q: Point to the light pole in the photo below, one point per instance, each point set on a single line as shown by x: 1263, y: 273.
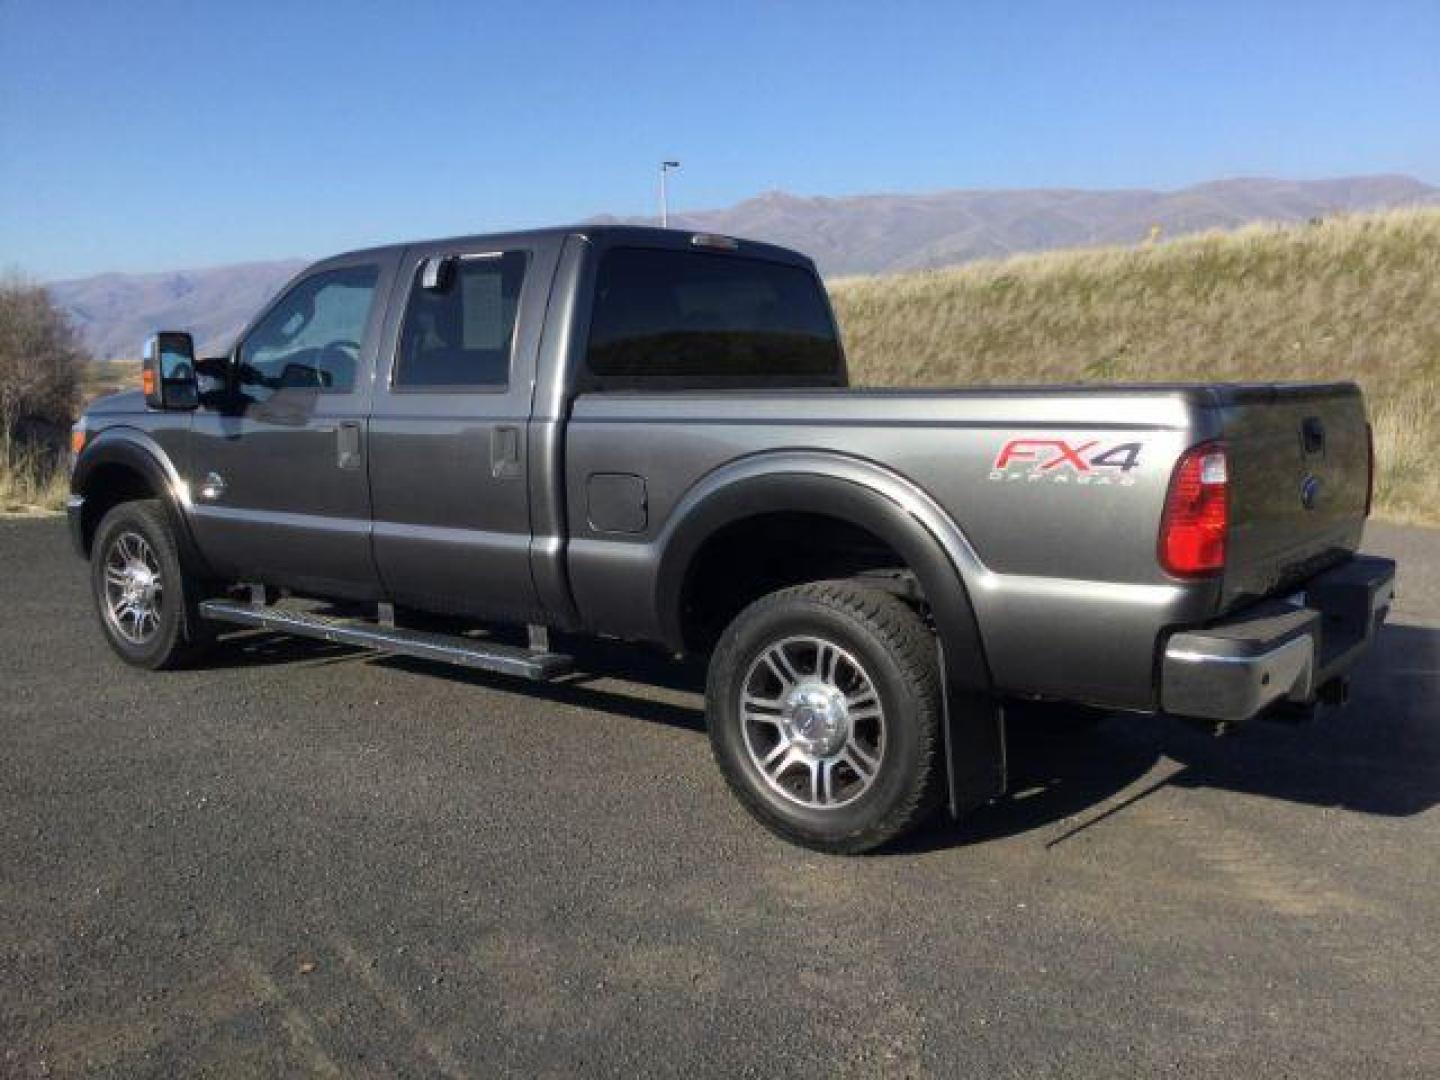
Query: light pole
x: 665, y: 166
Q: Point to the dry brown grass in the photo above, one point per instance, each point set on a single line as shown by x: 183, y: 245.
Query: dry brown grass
x: 101, y: 377
x: 31, y: 481
x: 35, y: 481
x: 1350, y: 298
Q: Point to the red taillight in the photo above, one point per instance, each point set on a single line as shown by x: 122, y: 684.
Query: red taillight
x: 1197, y: 513
x: 1370, y: 464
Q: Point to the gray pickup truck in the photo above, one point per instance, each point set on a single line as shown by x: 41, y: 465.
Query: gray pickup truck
x: 647, y: 435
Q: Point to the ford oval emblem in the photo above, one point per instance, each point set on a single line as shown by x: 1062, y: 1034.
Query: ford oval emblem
x: 1309, y: 491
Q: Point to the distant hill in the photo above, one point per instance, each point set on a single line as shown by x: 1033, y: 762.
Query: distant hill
x: 115, y: 312
x: 869, y: 234
x: 860, y: 234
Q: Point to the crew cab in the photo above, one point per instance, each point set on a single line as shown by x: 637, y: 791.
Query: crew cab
x: 649, y: 435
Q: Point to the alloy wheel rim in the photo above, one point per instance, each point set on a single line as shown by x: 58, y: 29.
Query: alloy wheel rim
x: 133, y: 588
x: 813, y: 723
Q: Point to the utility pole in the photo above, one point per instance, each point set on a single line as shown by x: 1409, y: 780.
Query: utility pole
x: 665, y: 166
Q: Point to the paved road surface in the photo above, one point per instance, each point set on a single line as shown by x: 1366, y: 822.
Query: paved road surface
x: 307, y: 859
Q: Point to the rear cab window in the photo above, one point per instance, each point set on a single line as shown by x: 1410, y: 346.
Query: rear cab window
x: 709, y: 319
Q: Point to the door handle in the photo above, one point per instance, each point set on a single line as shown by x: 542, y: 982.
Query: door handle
x: 347, y: 444
x: 505, y: 452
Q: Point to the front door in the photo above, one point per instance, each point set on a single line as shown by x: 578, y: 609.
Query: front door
x: 448, y: 461
x: 278, y: 464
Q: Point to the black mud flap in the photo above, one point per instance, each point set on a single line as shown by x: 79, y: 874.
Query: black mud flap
x: 974, y: 729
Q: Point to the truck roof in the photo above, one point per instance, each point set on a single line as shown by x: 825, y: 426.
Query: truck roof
x: 606, y: 235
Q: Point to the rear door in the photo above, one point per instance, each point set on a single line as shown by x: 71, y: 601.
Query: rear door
x: 1299, y: 477
x: 448, y: 456
x: 277, y: 464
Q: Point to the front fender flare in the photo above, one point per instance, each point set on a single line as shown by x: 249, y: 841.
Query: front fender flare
x: 135, y: 450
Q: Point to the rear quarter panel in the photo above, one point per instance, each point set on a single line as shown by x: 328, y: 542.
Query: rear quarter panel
x: 1059, y: 557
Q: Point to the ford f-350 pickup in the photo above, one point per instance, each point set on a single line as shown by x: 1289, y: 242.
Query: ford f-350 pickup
x: 648, y: 435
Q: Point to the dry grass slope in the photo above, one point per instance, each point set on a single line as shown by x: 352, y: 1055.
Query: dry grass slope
x: 1349, y: 298
x: 31, y: 481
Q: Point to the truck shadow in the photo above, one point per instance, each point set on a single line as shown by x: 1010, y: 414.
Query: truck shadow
x: 245, y: 648
x: 1379, y: 755
x: 610, y: 677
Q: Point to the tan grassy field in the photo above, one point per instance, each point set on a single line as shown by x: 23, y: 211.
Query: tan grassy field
x: 1350, y: 298
x: 102, y: 377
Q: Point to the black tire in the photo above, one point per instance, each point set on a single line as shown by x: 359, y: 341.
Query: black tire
x: 180, y: 635
x: 897, y: 653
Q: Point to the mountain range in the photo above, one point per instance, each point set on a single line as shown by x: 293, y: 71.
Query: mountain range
x: 858, y: 234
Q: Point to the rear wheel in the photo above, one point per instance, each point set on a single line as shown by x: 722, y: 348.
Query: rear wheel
x: 823, y: 704
x: 146, y: 601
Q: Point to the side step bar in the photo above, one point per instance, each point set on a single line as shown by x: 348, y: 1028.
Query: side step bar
x: 444, y: 648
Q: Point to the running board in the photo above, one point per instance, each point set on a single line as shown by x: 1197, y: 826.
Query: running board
x: 443, y: 648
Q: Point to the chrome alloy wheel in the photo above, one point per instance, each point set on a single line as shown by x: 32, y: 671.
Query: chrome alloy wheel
x: 813, y: 723
x: 133, y: 588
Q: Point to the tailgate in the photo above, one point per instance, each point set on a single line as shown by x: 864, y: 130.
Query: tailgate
x: 1299, y: 464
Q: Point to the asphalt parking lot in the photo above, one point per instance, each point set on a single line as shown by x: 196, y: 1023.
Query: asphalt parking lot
x: 305, y: 859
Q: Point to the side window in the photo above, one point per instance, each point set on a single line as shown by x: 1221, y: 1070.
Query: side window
x: 311, y: 339
x: 458, y: 330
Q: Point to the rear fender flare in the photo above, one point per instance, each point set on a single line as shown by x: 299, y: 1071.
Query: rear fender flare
x: 853, y: 490
x: 903, y: 516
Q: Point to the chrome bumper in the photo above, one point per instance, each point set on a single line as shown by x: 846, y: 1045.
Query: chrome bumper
x: 1278, y: 650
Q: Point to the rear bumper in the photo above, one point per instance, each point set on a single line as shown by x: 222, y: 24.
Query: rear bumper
x: 1278, y: 650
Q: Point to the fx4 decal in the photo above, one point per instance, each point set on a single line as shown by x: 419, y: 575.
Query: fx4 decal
x: 1058, y: 461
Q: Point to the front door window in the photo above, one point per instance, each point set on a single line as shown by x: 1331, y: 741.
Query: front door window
x: 310, y: 340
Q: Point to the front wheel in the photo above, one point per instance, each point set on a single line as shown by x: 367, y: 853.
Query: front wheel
x: 823, y: 703
x: 146, y: 601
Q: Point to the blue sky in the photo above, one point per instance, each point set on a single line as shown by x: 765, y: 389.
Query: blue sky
x: 154, y: 135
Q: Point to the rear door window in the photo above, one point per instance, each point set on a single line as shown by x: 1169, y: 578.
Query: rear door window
x: 682, y: 314
x: 458, y: 334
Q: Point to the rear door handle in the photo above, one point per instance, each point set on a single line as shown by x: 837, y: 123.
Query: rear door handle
x: 504, y: 452
x: 347, y: 444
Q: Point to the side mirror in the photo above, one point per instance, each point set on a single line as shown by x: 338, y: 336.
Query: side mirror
x: 213, y: 373
x: 212, y: 377
x: 168, y: 372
